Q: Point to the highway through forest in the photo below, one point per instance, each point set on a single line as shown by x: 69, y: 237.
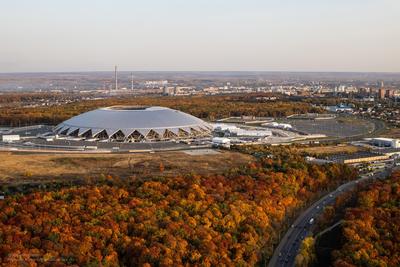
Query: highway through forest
x: 285, y: 254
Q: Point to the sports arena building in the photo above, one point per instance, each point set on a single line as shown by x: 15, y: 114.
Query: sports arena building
x: 134, y: 124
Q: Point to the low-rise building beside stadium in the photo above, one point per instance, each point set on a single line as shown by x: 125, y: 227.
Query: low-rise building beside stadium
x: 386, y: 142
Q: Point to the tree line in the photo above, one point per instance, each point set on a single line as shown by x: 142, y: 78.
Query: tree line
x: 205, y: 107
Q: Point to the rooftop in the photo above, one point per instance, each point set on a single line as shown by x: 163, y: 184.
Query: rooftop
x: 356, y: 155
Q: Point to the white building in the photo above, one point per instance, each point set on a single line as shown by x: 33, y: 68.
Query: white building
x: 222, y: 127
x: 340, y: 108
x: 168, y: 90
x: 250, y: 133
x: 221, y: 142
x: 284, y: 126
x: 10, y: 137
x: 386, y: 142
x: 155, y: 83
x: 232, y: 130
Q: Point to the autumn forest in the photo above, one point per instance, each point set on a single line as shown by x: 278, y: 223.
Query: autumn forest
x: 211, y: 220
x: 206, y: 107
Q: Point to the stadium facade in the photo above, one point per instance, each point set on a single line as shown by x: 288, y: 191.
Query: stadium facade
x: 134, y: 124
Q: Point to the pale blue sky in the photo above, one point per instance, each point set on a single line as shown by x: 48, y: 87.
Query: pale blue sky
x: 271, y: 35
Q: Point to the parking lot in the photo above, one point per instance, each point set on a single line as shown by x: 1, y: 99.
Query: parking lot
x: 338, y: 127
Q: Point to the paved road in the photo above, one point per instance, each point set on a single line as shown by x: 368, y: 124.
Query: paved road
x: 285, y: 253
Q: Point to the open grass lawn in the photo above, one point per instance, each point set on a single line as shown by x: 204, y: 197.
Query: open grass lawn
x: 392, y: 133
x: 18, y: 168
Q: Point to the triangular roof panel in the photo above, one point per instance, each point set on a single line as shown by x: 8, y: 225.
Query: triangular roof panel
x: 186, y: 129
x: 206, y: 126
x: 62, y: 129
x: 196, y: 128
x: 58, y: 127
x: 110, y: 132
x: 204, y: 130
x: 159, y: 131
x: 127, y: 132
x: 144, y: 132
x: 96, y: 131
x: 71, y: 130
x: 82, y: 131
x: 174, y: 130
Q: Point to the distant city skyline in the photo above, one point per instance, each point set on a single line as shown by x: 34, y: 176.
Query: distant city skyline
x: 206, y: 35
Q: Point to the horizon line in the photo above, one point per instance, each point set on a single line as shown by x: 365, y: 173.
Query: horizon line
x: 207, y: 71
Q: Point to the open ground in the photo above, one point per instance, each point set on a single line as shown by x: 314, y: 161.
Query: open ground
x: 22, y: 168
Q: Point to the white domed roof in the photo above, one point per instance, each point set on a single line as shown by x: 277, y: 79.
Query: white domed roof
x: 162, y: 122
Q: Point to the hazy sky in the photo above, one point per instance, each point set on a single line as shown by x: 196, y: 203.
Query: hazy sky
x: 271, y: 35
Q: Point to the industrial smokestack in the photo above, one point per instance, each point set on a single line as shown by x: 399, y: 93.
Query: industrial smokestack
x: 116, y: 78
x: 132, y: 81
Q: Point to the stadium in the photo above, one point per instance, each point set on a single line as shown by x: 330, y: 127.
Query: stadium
x: 131, y: 124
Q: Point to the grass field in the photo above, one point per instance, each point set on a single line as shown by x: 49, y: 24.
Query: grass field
x: 392, y: 133
x: 26, y: 168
